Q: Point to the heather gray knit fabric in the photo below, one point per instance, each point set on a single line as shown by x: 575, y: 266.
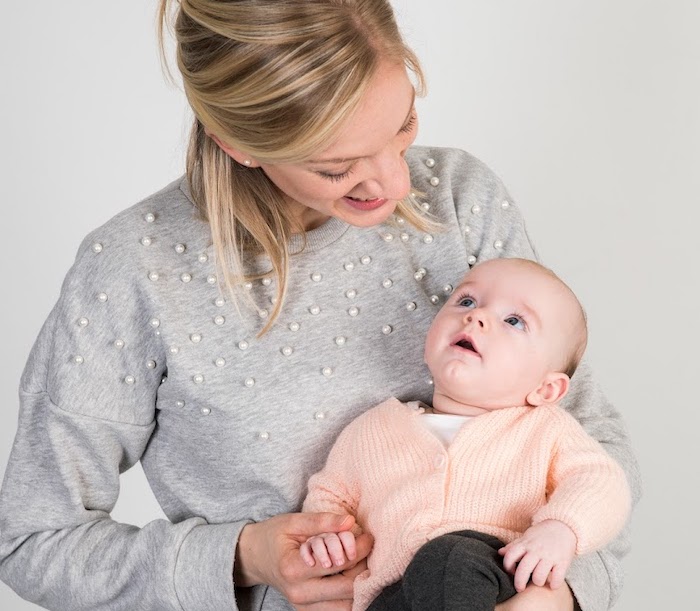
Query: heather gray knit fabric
x: 143, y: 359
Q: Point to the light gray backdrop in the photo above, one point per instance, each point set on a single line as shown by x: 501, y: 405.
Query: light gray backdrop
x: 589, y: 111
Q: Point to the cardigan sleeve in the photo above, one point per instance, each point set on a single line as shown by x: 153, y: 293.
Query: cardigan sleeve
x: 87, y: 413
x: 493, y: 226
x: 588, y: 489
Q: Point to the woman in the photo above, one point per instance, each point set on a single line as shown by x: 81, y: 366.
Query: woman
x: 225, y: 330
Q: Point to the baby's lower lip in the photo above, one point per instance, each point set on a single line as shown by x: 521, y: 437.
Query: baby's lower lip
x: 370, y: 204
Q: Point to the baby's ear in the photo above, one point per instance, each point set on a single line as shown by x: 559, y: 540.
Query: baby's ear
x: 552, y: 389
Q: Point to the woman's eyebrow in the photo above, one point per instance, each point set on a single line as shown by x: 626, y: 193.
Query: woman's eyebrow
x: 346, y: 159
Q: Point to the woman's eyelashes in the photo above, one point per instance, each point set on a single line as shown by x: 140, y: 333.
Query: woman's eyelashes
x: 335, y: 177
x: 410, y: 124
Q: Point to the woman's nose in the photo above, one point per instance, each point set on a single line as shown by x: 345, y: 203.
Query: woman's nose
x: 391, y: 177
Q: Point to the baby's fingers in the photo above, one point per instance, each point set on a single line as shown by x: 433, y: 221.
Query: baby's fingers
x: 556, y: 578
x: 524, y: 570
x: 347, y: 540
x: 541, y: 572
x: 512, y: 553
x: 306, y: 555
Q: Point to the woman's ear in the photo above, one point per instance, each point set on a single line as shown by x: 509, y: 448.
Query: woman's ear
x: 552, y: 389
x: 235, y: 154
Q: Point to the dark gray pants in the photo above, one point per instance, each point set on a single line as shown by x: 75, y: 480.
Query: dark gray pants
x: 459, y: 571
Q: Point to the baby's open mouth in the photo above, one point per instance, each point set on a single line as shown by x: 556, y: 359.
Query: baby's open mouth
x: 466, y: 344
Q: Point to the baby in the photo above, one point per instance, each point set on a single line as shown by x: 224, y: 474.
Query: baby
x: 494, y: 484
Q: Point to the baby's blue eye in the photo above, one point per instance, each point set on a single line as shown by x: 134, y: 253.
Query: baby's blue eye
x: 515, y: 321
x: 467, y: 302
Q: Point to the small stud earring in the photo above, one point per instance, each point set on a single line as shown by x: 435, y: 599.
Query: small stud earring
x: 247, y: 162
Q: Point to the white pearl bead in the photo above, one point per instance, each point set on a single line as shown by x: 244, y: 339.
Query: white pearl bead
x: 180, y: 403
x: 243, y: 345
x: 130, y: 380
x: 153, y: 276
x: 219, y: 302
x: 180, y: 248
x: 505, y: 204
x: 250, y: 382
x: 351, y: 293
x: 467, y: 229
x: 316, y: 277
x: 83, y: 322
x: 471, y: 260
x: 388, y: 283
x: 428, y: 239
x: 387, y: 329
x: 405, y: 237
x: 448, y: 289
x: 340, y: 340
x: 349, y: 266
x: 264, y: 435
x: 434, y: 299
x: 203, y: 257
x: 267, y: 281
x: 498, y: 244
x: 211, y: 279
x: 220, y: 362
x: 97, y: 247
x: 102, y: 297
x: 353, y: 311
x: 294, y: 326
x: 400, y: 220
x: 430, y: 162
x: 430, y: 381
x: 79, y: 360
x: 420, y: 274
x: 151, y: 364
x: 476, y: 208
x: 425, y: 206
x: 119, y: 343
x: 195, y: 338
x: 319, y: 415
x: 314, y: 310
x: 146, y: 241
x: 186, y: 277
x: 198, y: 378
x: 435, y: 181
x: 387, y: 237
x: 287, y: 350
x: 219, y: 320
x: 174, y: 350
x: 327, y: 372
x: 248, y: 285
x: 366, y: 260
x: 150, y: 217
x: 205, y: 411
x: 411, y: 306
x: 263, y: 313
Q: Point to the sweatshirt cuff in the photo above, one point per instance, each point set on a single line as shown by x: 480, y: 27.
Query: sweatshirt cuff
x: 590, y: 582
x: 204, y: 568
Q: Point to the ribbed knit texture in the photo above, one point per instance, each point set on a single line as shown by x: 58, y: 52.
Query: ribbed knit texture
x: 504, y: 471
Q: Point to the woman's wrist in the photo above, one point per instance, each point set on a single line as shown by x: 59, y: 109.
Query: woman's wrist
x: 245, y: 573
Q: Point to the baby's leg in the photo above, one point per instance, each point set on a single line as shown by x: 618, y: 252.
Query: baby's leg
x: 457, y: 571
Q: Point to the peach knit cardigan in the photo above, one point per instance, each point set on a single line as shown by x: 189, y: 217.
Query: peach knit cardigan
x: 504, y: 471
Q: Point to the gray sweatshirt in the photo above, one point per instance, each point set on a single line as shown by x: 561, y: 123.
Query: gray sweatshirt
x: 144, y: 358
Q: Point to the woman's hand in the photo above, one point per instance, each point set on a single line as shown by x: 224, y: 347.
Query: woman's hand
x: 536, y: 598
x: 268, y: 553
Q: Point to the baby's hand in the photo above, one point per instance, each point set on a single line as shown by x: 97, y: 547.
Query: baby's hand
x: 329, y: 549
x: 544, y: 551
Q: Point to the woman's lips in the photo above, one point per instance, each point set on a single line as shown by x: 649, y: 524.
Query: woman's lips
x: 361, y: 204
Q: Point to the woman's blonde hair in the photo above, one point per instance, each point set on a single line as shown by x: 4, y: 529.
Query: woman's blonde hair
x: 276, y: 79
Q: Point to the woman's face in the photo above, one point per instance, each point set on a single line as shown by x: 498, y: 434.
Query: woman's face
x: 362, y: 175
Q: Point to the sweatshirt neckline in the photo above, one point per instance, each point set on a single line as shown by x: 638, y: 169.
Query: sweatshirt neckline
x: 315, y: 239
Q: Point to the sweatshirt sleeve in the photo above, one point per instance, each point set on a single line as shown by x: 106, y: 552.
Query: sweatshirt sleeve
x: 87, y: 412
x: 493, y: 226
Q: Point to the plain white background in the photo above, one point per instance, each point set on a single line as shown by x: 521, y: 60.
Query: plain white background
x: 588, y: 110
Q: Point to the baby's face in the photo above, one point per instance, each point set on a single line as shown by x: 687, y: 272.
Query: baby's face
x: 503, y: 329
